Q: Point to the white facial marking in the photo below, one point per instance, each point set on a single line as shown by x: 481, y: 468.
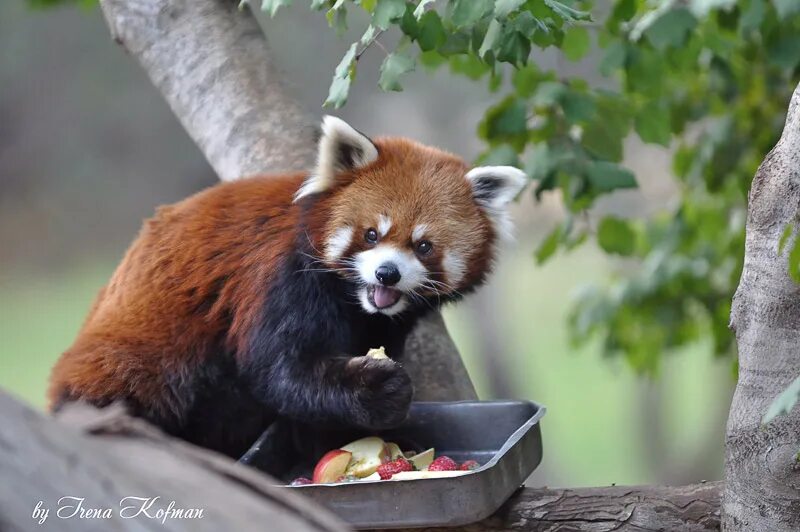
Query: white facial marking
x: 455, y: 267
x: 412, y: 274
x: 418, y: 232
x: 384, y: 224
x: 338, y: 243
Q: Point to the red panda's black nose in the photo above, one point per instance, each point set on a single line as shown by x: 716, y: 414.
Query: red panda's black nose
x: 388, y: 274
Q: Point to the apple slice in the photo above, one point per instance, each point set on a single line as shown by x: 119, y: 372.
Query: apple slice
x: 331, y: 466
x: 368, y: 454
x: 394, y: 451
x: 422, y: 460
x: 416, y: 475
x: 377, y: 354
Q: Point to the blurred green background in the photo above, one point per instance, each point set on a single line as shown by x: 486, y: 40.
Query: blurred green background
x: 87, y: 149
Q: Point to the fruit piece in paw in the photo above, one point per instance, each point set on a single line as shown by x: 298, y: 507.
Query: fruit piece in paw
x: 396, y: 466
x: 368, y: 454
x: 469, y: 465
x: 378, y: 353
x: 331, y: 466
x: 422, y: 460
x: 443, y: 463
x: 301, y: 481
x: 416, y: 475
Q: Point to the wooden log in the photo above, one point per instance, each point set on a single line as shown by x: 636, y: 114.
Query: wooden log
x: 693, y: 508
x: 104, y: 456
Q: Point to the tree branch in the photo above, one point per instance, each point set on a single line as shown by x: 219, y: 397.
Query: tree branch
x: 111, y: 456
x: 693, y: 508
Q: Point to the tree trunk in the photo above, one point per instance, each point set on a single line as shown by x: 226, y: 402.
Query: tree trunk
x: 762, y: 491
x: 212, y: 64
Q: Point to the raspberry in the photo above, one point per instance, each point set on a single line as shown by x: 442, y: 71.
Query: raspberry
x: 390, y: 468
x: 443, y: 463
x: 301, y: 481
x: 469, y: 465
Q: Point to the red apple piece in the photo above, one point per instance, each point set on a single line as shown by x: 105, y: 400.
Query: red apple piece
x: 368, y: 454
x: 331, y: 466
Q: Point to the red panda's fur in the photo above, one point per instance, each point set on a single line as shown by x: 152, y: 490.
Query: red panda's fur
x: 195, y: 286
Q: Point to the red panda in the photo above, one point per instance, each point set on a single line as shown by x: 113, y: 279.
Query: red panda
x: 258, y: 298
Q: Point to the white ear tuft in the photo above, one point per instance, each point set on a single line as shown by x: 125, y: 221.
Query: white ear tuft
x: 341, y: 148
x: 493, y: 187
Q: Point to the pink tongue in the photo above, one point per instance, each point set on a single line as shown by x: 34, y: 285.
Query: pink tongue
x: 385, y: 297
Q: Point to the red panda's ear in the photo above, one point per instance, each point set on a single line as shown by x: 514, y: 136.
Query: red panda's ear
x: 493, y: 187
x: 341, y: 148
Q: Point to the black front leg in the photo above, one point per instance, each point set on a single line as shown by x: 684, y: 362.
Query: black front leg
x: 339, y: 391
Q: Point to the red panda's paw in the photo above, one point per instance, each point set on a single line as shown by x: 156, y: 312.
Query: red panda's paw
x: 383, y: 392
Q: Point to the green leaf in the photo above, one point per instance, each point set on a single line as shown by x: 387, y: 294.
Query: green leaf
x: 615, y: 235
x: 576, y: 43
x: 784, y: 403
x: 526, y: 79
x: 430, y: 32
x: 671, y: 29
x: 787, y: 232
x: 388, y: 11
x: 464, y: 13
x: 549, y: 245
x: 506, y: 122
x: 492, y: 38
x: 614, y: 58
x: 794, y: 261
x: 337, y: 18
x: 503, y: 8
x: 395, y: 65
x: 605, y: 176
x: 753, y: 15
x: 368, y: 5
x: 602, y: 141
x: 420, y: 9
x: 342, y: 79
x: 786, y: 8
x: 369, y: 33
x: 785, y: 52
x: 514, y: 49
x: 577, y: 106
x: 272, y: 6
x: 566, y: 12
x: 653, y: 124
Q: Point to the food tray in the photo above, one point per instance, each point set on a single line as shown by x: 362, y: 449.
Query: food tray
x: 503, y: 436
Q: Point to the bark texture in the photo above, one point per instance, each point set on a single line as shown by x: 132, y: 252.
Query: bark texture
x: 211, y: 62
x: 762, y: 490
x: 693, y: 508
x: 105, y: 456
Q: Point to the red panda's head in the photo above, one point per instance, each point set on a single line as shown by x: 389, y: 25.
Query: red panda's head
x: 407, y: 223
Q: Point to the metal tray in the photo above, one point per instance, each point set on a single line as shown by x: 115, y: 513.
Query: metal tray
x: 503, y: 436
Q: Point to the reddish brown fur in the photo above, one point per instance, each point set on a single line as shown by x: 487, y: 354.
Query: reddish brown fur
x: 198, y: 271
x: 161, y: 311
x: 413, y: 184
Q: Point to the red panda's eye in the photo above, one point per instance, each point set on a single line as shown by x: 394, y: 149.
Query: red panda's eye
x: 371, y: 236
x: 424, y: 247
